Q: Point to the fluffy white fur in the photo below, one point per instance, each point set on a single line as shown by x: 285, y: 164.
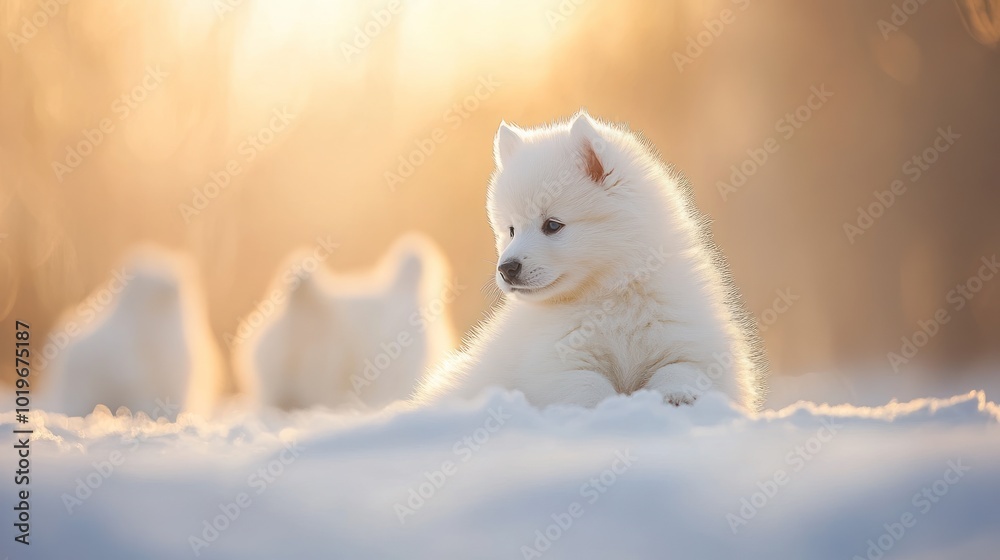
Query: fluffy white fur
x: 150, y: 350
x: 351, y: 339
x: 629, y: 294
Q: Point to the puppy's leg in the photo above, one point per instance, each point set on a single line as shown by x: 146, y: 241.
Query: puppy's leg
x: 582, y: 387
x: 680, y: 383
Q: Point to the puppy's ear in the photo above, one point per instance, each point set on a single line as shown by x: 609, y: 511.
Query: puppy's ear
x: 409, y: 270
x: 309, y: 292
x: 584, y: 131
x: 508, y: 140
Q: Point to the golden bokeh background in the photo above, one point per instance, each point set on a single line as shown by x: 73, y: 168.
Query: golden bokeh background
x: 305, y: 108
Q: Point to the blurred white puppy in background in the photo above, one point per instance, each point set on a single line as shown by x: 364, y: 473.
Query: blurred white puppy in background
x: 357, y: 340
x: 141, y: 341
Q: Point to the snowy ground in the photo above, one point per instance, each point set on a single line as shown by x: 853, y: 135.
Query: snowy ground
x: 497, y: 478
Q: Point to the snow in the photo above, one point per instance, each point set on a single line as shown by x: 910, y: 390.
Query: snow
x: 632, y: 478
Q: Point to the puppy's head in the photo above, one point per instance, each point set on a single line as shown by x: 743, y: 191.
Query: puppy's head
x: 561, y: 209
x: 151, y: 280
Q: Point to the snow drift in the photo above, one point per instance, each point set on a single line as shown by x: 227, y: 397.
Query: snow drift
x: 497, y: 478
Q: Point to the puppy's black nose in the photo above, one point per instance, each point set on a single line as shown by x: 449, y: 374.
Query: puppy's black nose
x: 509, y: 270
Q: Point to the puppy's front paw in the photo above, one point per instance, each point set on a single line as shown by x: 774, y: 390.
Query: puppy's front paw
x: 678, y: 399
x: 679, y: 383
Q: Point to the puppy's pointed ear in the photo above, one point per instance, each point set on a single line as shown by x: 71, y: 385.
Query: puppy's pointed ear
x: 508, y: 140
x: 582, y: 126
x: 584, y: 131
x: 309, y: 290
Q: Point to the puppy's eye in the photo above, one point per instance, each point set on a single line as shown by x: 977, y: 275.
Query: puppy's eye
x: 512, y: 231
x: 551, y: 226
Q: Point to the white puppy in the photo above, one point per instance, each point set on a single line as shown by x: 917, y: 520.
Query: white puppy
x: 350, y: 339
x: 144, y: 342
x: 611, y: 279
